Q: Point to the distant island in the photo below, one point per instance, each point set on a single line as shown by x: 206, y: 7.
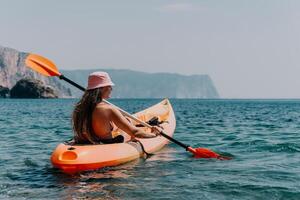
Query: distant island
x: 134, y: 84
x: 129, y: 84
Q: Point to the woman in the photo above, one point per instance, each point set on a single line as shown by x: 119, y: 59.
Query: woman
x: 93, y: 119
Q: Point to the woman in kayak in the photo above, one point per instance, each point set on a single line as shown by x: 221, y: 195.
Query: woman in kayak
x: 93, y: 119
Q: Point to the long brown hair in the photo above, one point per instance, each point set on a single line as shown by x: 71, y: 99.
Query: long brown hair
x: 82, y: 116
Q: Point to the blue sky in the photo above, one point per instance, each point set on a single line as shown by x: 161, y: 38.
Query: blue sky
x: 251, y: 49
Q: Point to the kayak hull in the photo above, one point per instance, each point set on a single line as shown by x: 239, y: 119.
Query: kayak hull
x: 77, y: 158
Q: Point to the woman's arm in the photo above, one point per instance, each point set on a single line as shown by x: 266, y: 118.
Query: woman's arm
x: 123, y: 124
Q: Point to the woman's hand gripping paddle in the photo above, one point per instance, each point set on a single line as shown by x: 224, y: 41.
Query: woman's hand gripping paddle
x: 46, y: 67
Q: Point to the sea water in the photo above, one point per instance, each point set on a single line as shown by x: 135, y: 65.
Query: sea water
x: 262, y: 136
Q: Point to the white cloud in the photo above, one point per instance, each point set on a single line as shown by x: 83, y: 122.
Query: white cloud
x: 179, y: 7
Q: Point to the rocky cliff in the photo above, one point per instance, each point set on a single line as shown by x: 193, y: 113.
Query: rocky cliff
x: 129, y: 84
x: 12, y: 69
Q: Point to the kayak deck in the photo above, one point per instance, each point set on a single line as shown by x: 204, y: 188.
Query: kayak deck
x: 76, y: 158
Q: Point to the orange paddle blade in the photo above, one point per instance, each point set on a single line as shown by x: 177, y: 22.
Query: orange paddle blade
x: 206, y: 153
x: 42, y: 65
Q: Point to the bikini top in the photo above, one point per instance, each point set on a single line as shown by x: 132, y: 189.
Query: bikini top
x: 96, y: 138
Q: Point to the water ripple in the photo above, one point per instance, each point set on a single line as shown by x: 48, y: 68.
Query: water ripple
x: 262, y: 136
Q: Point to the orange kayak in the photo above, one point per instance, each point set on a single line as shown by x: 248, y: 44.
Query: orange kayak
x: 76, y: 158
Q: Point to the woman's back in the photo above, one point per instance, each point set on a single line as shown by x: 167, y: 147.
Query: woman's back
x: 101, y: 121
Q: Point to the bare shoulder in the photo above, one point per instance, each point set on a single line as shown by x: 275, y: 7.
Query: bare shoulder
x: 112, y: 110
x: 104, y: 108
x: 109, y: 111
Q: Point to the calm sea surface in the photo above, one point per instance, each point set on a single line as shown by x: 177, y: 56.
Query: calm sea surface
x: 263, y: 136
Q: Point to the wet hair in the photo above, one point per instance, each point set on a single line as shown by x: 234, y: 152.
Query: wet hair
x: 82, y: 116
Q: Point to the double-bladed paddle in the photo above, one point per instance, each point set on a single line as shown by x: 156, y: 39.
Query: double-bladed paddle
x: 46, y: 67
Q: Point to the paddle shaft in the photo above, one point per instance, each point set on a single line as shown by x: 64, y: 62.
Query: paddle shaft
x: 127, y: 114
x: 71, y: 82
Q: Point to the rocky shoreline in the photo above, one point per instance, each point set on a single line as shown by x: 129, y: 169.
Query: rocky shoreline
x: 28, y: 88
x: 4, y: 92
x: 18, y: 81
